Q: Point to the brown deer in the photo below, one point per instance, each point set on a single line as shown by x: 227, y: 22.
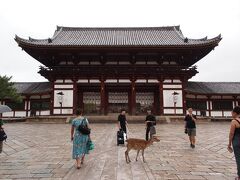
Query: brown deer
x: 138, y: 144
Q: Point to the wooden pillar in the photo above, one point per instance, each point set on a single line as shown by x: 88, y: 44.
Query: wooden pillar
x: 161, y: 110
x: 133, y: 97
x: 235, y: 101
x: 81, y: 104
x: 184, y: 84
x: 103, y: 97
x: 27, y: 107
x: 209, y: 106
x: 52, y: 98
x: 75, y: 96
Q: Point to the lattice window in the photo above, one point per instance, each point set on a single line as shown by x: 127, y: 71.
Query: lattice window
x: 145, y: 98
x: 115, y: 97
x: 91, y: 97
x: 91, y: 101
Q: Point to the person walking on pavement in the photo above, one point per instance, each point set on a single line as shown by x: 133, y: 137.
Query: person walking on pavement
x: 191, y: 127
x: 122, y: 121
x: 234, y: 137
x: 150, y: 124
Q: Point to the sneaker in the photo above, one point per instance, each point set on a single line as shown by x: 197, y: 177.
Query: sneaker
x: 193, y: 146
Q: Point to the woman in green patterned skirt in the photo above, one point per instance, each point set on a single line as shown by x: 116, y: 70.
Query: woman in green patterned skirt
x: 79, y: 140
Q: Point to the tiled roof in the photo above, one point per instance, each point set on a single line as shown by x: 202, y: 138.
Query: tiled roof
x: 213, y: 87
x: 32, y: 87
x: 119, y: 36
x: 192, y: 87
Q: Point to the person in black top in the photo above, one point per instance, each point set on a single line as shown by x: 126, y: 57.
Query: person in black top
x: 191, y: 127
x: 234, y: 137
x: 122, y: 121
x: 150, y: 123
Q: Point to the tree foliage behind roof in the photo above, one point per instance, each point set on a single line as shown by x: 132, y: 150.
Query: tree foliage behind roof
x: 7, y: 89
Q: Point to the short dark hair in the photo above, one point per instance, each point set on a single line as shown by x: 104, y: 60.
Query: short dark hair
x: 79, y: 112
x: 123, y: 110
x: 236, y: 109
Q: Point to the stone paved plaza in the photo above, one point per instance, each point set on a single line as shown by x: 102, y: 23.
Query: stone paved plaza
x: 43, y: 151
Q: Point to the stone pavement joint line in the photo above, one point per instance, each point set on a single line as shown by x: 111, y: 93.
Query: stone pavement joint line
x: 43, y: 152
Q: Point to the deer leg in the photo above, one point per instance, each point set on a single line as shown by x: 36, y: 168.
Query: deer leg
x: 143, y: 156
x: 137, y: 154
x: 126, y: 156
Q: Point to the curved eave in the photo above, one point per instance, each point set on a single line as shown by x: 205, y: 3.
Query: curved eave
x: 30, y: 44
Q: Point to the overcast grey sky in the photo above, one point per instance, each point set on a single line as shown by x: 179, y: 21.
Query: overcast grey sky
x: 197, y: 19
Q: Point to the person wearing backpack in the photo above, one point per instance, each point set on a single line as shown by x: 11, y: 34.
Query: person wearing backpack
x: 234, y: 138
x: 80, y: 135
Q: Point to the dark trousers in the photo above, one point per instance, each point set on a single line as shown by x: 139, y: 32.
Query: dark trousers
x: 1, y: 146
x: 236, y: 149
x: 124, y: 129
x: 147, y: 133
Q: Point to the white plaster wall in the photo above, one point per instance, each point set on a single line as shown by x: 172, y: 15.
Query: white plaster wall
x: 177, y: 81
x: 167, y: 81
x: 43, y: 113
x: 7, y: 114
x: 68, y: 81
x: 141, y: 81
x: 216, y: 113
x: 124, y: 81
x: 59, y: 81
x: 67, y: 111
x: 20, y: 113
x: 207, y: 113
x: 152, y: 81
x: 67, y: 98
x: 171, y: 111
x: 64, y: 111
x: 169, y: 86
x: 227, y: 113
x: 82, y: 81
x: 94, y: 81
x: 63, y: 86
x: 56, y: 111
x: 168, y: 98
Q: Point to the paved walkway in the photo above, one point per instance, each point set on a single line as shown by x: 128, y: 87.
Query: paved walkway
x: 43, y: 151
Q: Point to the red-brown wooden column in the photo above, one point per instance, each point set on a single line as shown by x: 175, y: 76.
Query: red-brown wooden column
x: 75, y: 96
x: 184, y: 84
x: 161, y: 96
x: 27, y: 107
x: 133, y: 97
x: 209, y: 106
x: 235, y: 101
x: 52, y: 97
x: 103, y: 97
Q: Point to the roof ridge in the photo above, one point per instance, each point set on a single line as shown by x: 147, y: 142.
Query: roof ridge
x: 64, y: 28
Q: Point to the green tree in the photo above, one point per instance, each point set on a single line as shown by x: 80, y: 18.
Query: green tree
x: 7, y: 89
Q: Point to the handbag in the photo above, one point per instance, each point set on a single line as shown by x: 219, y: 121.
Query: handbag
x: 90, y: 145
x: 3, y: 135
x: 84, y: 128
x: 152, y: 130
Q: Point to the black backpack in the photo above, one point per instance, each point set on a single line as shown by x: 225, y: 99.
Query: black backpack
x: 84, y: 128
x: 3, y: 135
